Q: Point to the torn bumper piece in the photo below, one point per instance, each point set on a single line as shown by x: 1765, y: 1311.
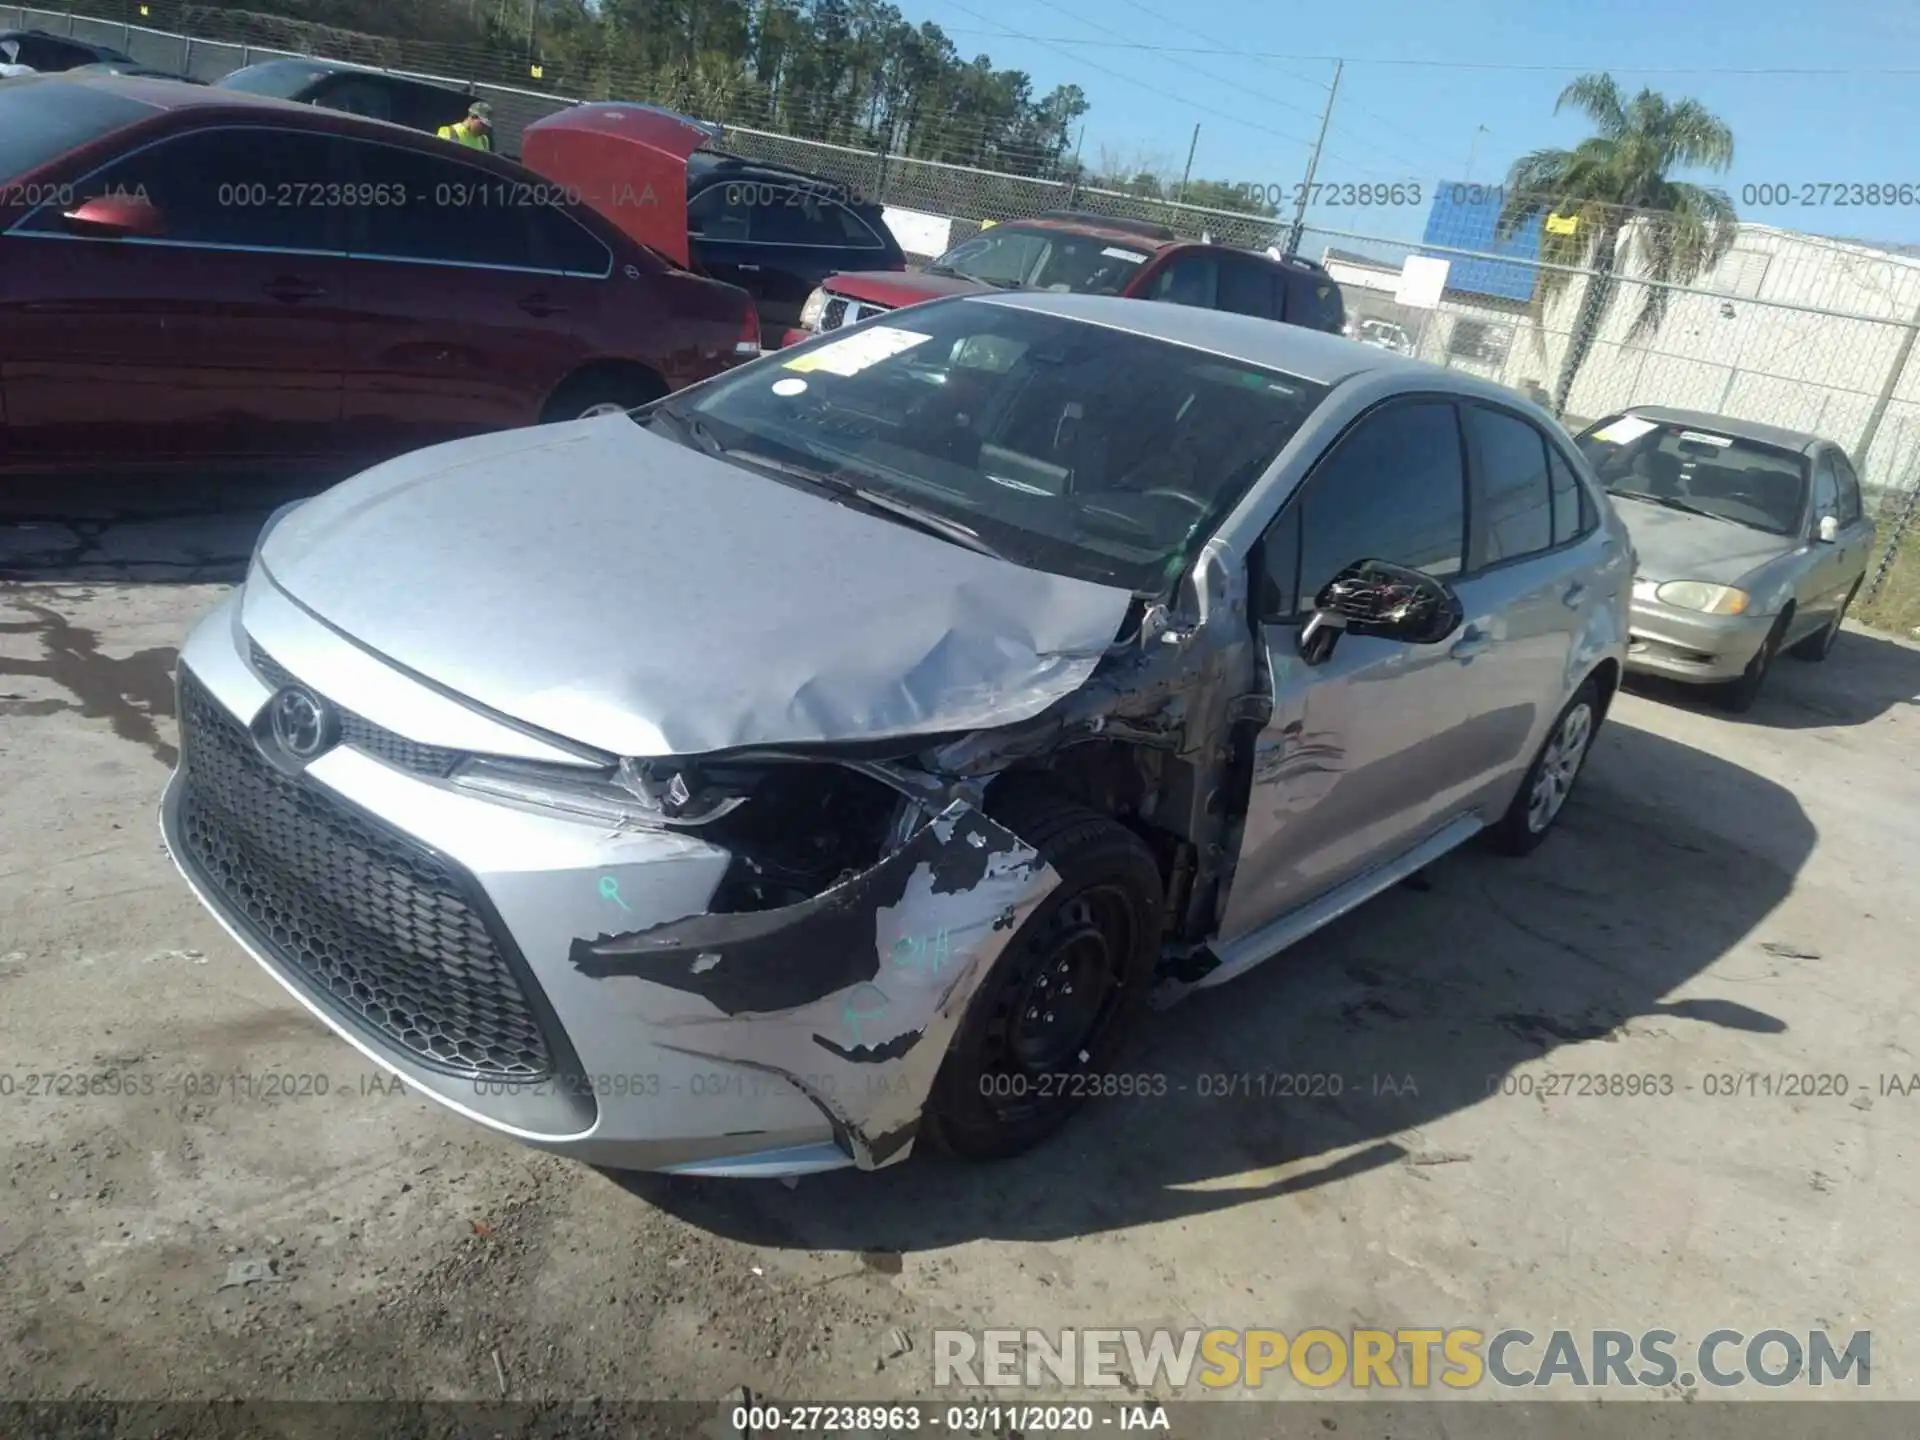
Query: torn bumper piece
x: 560, y: 982
x: 854, y: 995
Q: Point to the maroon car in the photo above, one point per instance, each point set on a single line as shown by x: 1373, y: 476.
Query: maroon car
x: 1093, y: 255
x: 198, y: 277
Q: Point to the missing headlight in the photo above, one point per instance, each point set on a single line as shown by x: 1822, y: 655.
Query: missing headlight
x: 804, y: 828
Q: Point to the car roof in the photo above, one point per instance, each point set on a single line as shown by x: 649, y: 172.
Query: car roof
x: 320, y: 66
x: 1310, y: 354
x: 1775, y: 435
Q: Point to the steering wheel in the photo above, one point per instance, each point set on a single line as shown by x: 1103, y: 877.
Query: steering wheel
x: 1165, y: 492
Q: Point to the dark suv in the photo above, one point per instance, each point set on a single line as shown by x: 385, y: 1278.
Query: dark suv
x: 374, y: 93
x: 46, y: 54
x: 1092, y: 255
x: 778, y: 233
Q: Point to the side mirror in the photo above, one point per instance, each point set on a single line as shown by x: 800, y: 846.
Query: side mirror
x: 117, y: 217
x: 1387, y: 601
x: 1829, y: 530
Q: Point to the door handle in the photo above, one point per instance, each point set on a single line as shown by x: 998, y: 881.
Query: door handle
x: 540, y: 307
x: 1575, y: 593
x: 1473, y: 642
x: 292, y: 289
x: 754, y: 268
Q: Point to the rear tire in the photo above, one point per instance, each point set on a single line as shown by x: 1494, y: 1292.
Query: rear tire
x: 1736, y: 697
x: 1819, y: 645
x: 1052, y: 1013
x: 602, y: 392
x: 1549, y: 781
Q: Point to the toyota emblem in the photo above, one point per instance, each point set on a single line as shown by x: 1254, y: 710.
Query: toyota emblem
x: 302, y: 723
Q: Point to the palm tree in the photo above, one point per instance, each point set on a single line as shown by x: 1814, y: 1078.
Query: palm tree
x: 1615, y: 183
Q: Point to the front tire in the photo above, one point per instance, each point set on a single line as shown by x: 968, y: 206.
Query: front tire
x: 1736, y: 697
x: 606, y: 392
x: 1819, y: 645
x: 1550, y: 779
x: 1051, y: 1015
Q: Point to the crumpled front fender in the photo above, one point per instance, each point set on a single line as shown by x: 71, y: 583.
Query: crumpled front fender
x: 854, y: 995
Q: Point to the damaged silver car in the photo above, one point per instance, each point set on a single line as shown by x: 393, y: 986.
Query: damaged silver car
x: 842, y: 752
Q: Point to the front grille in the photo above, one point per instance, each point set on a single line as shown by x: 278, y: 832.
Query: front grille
x: 841, y: 312
x: 359, y: 733
x: 373, y: 924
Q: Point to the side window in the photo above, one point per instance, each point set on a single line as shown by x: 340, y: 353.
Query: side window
x: 1513, y: 503
x: 720, y: 212
x: 1573, y: 512
x: 856, y: 233
x: 1315, y: 302
x: 787, y: 217
x: 356, y: 97
x: 1188, y: 280
x: 50, y: 55
x: 563, y: 243
x: 1278, y: 566
x: 240, y: 187
x: 423, y: 107
x: 1826, y: 489
x: 1392, y: 489
x: 1850, y: 507
x: 451, y: 212
x: 1247, y: 288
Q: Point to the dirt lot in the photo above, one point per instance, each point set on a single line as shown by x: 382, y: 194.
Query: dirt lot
x: 1727, y: 897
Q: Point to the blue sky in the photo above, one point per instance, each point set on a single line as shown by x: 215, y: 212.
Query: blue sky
x: 1398, y: 121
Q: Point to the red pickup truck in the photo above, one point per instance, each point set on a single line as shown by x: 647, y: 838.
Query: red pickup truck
x: 1094, y: 255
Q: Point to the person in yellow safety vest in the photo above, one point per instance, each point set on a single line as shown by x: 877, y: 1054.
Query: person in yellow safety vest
x: 474, y: 130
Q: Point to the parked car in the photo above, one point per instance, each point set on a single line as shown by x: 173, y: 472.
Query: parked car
x: 840, y: 750
x: 128, y: 67
x: 1752, y: 540
x: 377, y: 94
x: 1090, y: 255
x: 35, y: 52
x: 1385, y: 334
x: 775, y: 232
x: 192, y: 276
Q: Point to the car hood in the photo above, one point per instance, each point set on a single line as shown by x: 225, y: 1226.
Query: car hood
x: 1674, y: 545
x: 900, y: 287
x: 605, y: 584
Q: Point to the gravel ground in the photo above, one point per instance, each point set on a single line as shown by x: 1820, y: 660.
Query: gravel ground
x: 1727, y: 897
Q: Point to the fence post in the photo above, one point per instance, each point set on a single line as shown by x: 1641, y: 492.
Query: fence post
x: 186, y: 58
x: 69, y: 23
x: 246, y: 56
x: 879, y: 196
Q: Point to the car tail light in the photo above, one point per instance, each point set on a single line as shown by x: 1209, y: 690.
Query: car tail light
x: 748, y: 345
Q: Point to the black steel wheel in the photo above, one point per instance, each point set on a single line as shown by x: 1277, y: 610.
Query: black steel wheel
x: 1054, y: 1010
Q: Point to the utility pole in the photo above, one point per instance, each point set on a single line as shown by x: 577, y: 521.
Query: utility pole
x: 1187, y: 174
x: 1473, y: 148
x: 1313, y: 163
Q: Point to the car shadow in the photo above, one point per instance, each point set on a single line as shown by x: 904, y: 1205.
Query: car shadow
x: 1863, y: 677
x: 1413, y: 1007
x: 92, y: 529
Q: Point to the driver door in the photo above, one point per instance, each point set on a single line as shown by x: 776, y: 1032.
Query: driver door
x: 1357, y: 759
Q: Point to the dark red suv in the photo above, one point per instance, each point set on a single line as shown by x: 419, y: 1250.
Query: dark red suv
x: 197, y: 277
x: 1093, y: 255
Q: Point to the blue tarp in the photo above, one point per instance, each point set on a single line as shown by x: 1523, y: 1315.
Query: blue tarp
x: 1464, y: 217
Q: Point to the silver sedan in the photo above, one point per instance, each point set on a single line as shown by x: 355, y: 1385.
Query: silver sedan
x: 837, y: 754
x: 1751, y: 539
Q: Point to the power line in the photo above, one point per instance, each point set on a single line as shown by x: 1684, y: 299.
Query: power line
x: 1582, y: 69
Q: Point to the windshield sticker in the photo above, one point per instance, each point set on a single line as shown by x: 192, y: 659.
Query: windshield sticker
x: 858, y: 352
x: 1699, y: 439
x: 1626, y: 429
x: 789, y: 385
x: 1114, y: 252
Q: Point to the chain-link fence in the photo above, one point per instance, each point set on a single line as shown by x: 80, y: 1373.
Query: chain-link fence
x: 1794, y: 330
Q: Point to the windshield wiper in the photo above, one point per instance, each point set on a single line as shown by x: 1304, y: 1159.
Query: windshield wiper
x: 694, y: 427
x: 873, y: 501
x: 1672, y: 504
x: 938, y: 270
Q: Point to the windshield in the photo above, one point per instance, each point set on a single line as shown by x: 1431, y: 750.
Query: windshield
x: 41, y: 118
x: 1762, y: 487
x: 1041, y: 259
x: 1065, y: 446
x: 281, y: 79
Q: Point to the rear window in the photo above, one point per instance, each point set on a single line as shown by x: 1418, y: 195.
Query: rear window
x: 41, y: 118
x: 282, y: 79
x: 1314, y: 301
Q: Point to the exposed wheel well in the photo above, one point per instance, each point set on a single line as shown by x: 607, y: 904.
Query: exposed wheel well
x: 604, y: 376
x: 1606, y: 679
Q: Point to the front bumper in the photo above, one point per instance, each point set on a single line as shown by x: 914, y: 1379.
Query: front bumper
x: 546, y: 977
x: 1686, y: 645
